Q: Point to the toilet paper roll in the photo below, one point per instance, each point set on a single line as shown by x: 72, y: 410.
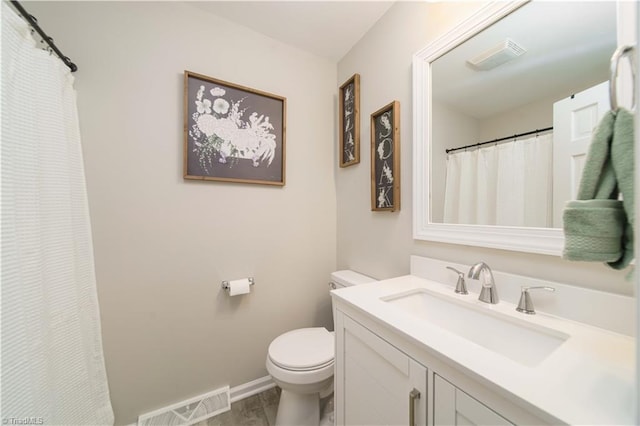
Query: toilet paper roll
x: 242, y: 286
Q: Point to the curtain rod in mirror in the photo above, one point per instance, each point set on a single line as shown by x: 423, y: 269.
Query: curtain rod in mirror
x: 506, y: 138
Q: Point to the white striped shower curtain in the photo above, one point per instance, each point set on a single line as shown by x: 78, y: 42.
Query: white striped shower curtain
x: 53, y: 369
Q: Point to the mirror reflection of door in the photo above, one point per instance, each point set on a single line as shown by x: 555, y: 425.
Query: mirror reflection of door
x: 574, y: 119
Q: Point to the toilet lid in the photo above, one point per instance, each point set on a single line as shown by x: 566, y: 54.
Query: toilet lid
x: 303, y: 349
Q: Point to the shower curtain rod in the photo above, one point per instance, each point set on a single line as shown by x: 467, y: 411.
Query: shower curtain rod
x: 533, y: 132
x: 34, y: 24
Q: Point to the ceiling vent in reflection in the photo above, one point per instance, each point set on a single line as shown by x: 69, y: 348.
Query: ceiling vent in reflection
x: 506, y: 51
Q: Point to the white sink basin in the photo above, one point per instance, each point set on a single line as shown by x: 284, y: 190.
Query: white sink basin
x: 518, y: 340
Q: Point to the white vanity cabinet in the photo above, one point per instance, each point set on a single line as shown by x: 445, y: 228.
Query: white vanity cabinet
x: 452, y: 406
x: 470, y: 362
x: 376, y: 373
x: 379, y: 384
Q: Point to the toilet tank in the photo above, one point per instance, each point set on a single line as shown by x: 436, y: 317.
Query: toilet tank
x: 347, y: 278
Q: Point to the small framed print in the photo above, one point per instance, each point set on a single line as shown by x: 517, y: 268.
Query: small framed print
x: 385, y: 158
x: 349, y: 100
x: 233, y: 133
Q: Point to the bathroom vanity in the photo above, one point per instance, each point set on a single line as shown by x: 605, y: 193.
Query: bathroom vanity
x: 409, y: 350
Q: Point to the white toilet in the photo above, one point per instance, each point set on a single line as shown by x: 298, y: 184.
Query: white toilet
x: 301, y: 363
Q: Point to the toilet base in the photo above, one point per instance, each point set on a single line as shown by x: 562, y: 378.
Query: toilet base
x: 297, y: 409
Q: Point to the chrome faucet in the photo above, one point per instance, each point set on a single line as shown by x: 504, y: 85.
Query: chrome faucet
x: 489, y: 292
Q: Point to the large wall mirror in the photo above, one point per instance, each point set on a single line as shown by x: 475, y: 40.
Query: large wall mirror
x: 504, y: 107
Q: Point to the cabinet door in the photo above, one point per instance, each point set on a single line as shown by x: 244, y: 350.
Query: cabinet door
x: 376, y: 381
x: 454, y: 407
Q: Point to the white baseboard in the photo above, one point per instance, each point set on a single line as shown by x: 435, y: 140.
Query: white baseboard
x: 251, y: 388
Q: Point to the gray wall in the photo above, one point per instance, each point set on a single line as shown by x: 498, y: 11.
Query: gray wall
x: 163, y: 244
x: 378, y: 243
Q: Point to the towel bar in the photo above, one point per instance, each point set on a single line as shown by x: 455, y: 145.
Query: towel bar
x: 621, y: 52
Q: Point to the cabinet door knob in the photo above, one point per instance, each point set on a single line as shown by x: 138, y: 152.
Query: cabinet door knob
x: 413, y: 395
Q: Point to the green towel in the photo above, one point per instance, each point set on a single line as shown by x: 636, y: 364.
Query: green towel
x: 598, y: 227
x: 593, y: 230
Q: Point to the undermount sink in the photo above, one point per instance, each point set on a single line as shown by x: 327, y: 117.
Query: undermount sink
x: 520, y: 341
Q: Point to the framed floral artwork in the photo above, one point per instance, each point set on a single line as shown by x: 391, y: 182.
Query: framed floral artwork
x: 349, y: 102
x: 232, y: 133
x: 385, y: 158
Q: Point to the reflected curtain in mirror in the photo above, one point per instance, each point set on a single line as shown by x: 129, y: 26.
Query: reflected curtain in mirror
x: 506, y: 185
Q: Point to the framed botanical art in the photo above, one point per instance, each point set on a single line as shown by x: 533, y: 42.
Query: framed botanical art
x: 233, y: 133
x: 349, y: 100
x: 385, y: 158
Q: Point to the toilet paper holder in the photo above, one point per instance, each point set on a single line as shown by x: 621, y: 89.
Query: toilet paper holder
x: 225, y: 284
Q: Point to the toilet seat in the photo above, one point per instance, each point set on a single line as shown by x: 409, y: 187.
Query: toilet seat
x: 304, y: 349
x: 316, y: 367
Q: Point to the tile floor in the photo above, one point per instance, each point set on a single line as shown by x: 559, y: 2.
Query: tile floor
x: 260, y: 410
x: 257, y: 410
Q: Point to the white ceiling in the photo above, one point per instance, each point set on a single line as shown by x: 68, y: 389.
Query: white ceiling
x: 568, y: 49
x: 568, y: 45
x: 325, y: 28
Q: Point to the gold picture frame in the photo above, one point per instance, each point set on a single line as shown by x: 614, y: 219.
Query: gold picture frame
x: 233, y: 133
x: 385, y: 158
x: 349, y: 106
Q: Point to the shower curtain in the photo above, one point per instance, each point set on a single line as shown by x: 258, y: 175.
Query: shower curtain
x: 508, y: 184
x: 53, y: 369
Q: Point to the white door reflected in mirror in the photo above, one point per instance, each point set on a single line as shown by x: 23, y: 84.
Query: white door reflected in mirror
x: 574, y: 120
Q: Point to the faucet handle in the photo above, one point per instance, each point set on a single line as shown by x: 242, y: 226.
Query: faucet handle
x: 461, y: 286
x: 526, y: 304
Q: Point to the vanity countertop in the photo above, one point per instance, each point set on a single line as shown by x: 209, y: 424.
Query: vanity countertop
x: 588, y: 379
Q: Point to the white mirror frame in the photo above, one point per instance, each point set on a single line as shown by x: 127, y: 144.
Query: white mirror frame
x: 531, y: 240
